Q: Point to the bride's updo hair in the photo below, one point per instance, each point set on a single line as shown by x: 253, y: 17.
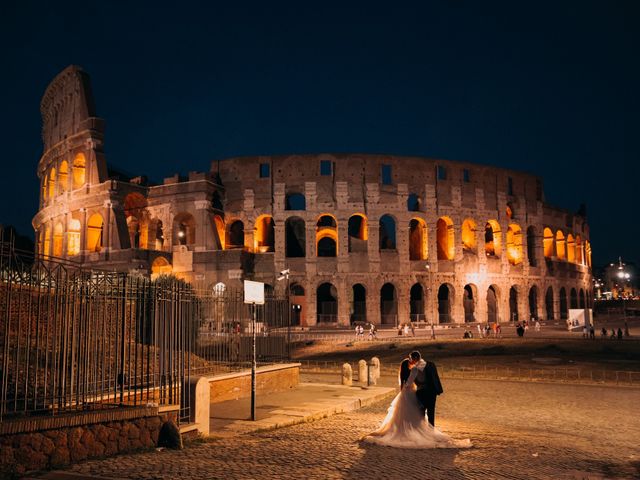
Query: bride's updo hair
x: 404, y: 371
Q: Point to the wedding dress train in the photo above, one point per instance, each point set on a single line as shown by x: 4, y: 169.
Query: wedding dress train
x: 405, y: 426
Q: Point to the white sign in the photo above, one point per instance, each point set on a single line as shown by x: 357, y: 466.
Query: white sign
x: 235, y: 274
x: 253, y: 292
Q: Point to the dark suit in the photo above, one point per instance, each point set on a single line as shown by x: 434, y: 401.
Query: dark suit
x: 429, y: 387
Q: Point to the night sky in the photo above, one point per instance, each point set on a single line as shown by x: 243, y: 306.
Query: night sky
x: 550, y: 88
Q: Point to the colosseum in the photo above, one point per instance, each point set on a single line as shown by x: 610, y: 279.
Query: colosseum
x: 372, y: 238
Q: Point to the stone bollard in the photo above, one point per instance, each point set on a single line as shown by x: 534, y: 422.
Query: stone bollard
x: 347, y: 374
x: 362, y: 372
x: 374, y: 371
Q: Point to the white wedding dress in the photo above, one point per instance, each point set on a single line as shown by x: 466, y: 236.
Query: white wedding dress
x: 406, y: 427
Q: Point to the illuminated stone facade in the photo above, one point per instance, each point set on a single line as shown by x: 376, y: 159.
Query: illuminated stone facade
x: 374, y: 238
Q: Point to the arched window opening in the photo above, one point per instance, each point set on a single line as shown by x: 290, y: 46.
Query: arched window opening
x: 561, y: 252
x: 531, y: 247
x: 492, y: 239
x: 387, y: 233
x: 469, y: 303
x: 416, y: 303
x: 295, y: 201
x: 219, y: 232
x: 235, y: 238
x: 581, y: 297
x: 295, y: 237
x: 469, y: 242
x: 184, y: 228
x: 548, y: 302
x: 46, y: 244
x: 514, y: 244
x: 45, y: 192
x: 564, y: 311
x: 326, y: 303
x: 219, y: 289
x: 413, y: 203
x: 587, y: 247
x: 513, y: 305
x: 492, y: 304
x: 63, y: 176
x: 157, y: 234
x: 358, y: 233
x: 94, y: 233
x: 134, y: 231
x: 571, y: 249
x: 327, y: 247
x: 78, y: 172
x: 445, y: 294
x: 161, y: 266
x: 326, y: 221
x: 417, y: 239
x: 359, y: 305
x: 574, y: 298
x: 73, y: 237
x: 579, y: 251
x: 264, y: 238
x: 58, y: 235
x: 52, y: 183
x: 388, y: 305
x: 549, y: 250
x: 445, y: 238
x: 533, y: 303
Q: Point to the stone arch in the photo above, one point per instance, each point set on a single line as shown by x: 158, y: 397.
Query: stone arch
x: 564, y: 311
x: 45, y: 190
x: 358, y: 233
x: 295, y: 236
x: 416, y: 303
x: 417, y: 239
x: 531, y: 246
x: 445, y: 301
x: 358, y: 303
x: 156, y: 233
x: 514, y: 244
x: 549, y: 304
x: 587, y: 249
x: 52, y: 183
x: 326, y: 236
x: 184, y: 229
x: 78, y: 171
x: 58, y: 236
x: 388, y: 304
x: 73, y: 237
x: 582, y: 303
x: 133, y: 225
x: 445, y: 239
x: 161, y: 266
x: 573, y: 299
x: 326, y: 303
x: 413, y: 203
x: 264, y: 238
x: 561, y: 249
x: 493, y: 311
x: 95, y: 240
x: 135, y: 209
x: 513, y: 304
x: 469, y: 295
x: 579, y: 251
x: 235, y: 235
x: 46, y: 243
x: 547, y: 242
x: 469, y: 236
x: 295, y: 201
x: 492, y: 239
x: 387, y: 232
x: 571, y: 249
x: 63, y: 176
x: 533, y: 303
x: 219, y: 231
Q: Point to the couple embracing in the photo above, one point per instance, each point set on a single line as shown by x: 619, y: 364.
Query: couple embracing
x: 405, y: 425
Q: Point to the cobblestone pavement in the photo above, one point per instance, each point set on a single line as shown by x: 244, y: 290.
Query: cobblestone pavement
x: 519, y: 431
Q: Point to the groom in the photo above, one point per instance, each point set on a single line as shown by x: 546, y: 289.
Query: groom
x: 425, y: 376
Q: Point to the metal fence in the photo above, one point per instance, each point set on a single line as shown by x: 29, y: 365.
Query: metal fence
x: 74, y: 339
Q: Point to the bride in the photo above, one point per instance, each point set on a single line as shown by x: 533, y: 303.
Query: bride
x: 405, y: 425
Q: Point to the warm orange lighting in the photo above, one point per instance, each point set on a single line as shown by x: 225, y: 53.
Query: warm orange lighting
x: 469, y: 235
x: 73, y: 237
x: 547, y: 242
x: 63, y: 176
x: 571, y: 249
x: 445, y: 239
x: 58, y: 235
x: 52, y: 183
x: 94, y: 233
x: 79, y: 168
x: 492, y: 239
x: 561, y: 252
x: 514, y: 244
x: 264, y: 234
x: 417, y: 239
x: 46, y: 246
x: 160, y: 266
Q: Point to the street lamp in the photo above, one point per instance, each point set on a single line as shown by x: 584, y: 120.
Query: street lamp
x: 284, y: 275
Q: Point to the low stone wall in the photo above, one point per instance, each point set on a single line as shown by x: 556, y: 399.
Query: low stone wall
x: 269, y: 379
x: 51, y: 442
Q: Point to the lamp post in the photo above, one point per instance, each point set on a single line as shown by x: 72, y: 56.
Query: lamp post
x: 284, y: 275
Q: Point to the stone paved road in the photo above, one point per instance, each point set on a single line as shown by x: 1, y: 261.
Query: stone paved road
x: 519, y: 431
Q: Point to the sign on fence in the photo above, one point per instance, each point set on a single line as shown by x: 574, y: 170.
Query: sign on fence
x: 253, y: 292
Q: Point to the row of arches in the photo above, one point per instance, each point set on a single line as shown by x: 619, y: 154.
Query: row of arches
x: 65, y: 177
x: 569, y: 248
x: 52, y: 236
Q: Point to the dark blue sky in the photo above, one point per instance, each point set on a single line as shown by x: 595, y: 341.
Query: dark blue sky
x: 550, y: 87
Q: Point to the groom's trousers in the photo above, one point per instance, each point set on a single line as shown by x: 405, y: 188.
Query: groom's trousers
x: 428, y: 402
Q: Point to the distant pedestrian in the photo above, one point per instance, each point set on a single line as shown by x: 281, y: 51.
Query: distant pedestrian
x: 613, y: 334
x: 619, y: 333
x: 406, y: 330
x: 537, y: 326
x: 520, y: 330
x: 603, y: 333
x: 592, y: 333
x: 373, y: 332
x: 433, y: 332
x: 584, y: 332
x: 480, y: 332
